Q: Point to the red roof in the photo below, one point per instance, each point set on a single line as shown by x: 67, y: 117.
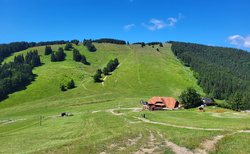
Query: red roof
x: 168, y: 101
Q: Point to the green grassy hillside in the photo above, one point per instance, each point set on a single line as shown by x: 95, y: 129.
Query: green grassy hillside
x: 94, y: 128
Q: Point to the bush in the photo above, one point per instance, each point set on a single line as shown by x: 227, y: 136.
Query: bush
x: 190, y: 98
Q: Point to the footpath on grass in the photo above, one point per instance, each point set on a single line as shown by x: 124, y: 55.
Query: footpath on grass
x: 208, y: 145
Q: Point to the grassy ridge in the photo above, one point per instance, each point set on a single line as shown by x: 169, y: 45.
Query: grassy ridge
x: 143, y: 73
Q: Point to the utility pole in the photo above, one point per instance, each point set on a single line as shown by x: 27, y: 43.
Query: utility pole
x: 41, y: 120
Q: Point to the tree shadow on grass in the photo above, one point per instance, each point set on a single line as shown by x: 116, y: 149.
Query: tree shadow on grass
x: 87, y: 63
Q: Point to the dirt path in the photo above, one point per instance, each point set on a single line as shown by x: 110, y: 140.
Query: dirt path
x: 11, y: 121
x: 104, y: 80
x: 187, y: 127
x: 118, y: 67
x: 128, y: 143
x: 150, y: 145
x: 209, y: 145
x: 83, y: 84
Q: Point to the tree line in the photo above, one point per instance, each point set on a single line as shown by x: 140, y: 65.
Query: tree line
x: 17, y: 74
x: 107, y: 40
x: 149, y: 44
x: 7, y: 49
x: 58, y: 56
x: 223, y: 73
x: 111, y: 66
x: 89, y: 45
x: 78, y: 57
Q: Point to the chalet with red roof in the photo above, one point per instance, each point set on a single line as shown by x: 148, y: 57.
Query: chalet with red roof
x: 160, y: 103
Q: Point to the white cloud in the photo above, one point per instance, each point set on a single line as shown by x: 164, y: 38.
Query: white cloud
x: 172, y: 21
x: 159, y: 24
x: 128, y: 27
x: 239, y: 41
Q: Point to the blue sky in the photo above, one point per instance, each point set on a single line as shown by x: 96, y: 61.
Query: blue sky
x: 210, y: 22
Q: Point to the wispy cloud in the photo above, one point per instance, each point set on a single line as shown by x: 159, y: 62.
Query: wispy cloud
x: 180, y: 16
x: 156, y: 24
x: 172, y: 21
x: 128, y: 27
x: 239, y: 41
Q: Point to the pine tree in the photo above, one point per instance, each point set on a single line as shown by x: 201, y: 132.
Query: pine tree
x: 83, y: 59
x: 76, y: 42
x: 116, y: 62
x: 237, y: 101
x: 96, y: 78
x: 72, y: 83
x: 142, y: 44
x: 63, y: 88
x: 99, y: 71
x: 48, y: 50
x: 60, y: 55
x: 68, y: 46
x: 52, y: 57
x: 105, y: 71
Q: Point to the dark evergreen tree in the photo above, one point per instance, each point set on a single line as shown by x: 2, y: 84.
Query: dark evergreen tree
x: 78, y: 57
x: 89, y: 45
x: 161, y: 45
x: 142, y: 44
x: 63, y: 88
x: 97, y: 78
x: 237, y: 100
x: 83, y: 59
x: 105, y: 71
x: 60, y: 55
x: 111, y: 66
x: 48, y: 50
x: 98, y: 75
x: 91, y: 48
x: 116, y: 62
x: 71, y: 84
x: 75, y: 41
x: 68, y: 46
x: 99, y: 71
x: 53, y: 57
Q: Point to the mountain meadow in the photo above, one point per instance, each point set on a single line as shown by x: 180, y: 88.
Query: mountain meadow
x: 99, y: 84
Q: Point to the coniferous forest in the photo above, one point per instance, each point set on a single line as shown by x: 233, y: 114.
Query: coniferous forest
x: 17, y: 74
x: 223, y: 73
x: 7, y: 49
